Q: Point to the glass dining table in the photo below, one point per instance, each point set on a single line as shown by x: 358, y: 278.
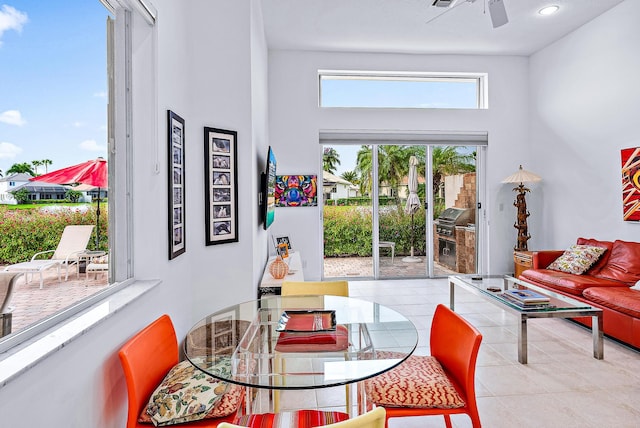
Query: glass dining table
x: 299, y: 342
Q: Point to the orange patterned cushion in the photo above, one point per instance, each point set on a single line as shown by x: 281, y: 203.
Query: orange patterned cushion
x: 418, y: 382
x: 298, y: 419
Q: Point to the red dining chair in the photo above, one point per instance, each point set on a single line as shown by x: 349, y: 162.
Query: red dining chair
x: 146, y: 359
x: 440, y: 384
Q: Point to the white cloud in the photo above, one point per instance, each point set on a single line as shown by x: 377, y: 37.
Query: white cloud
x: 92, y: 146
x: 100, y: 94
x: 11, y: 19
x: 9, y: 151
x: 78, y: 124
x: 12, y: 117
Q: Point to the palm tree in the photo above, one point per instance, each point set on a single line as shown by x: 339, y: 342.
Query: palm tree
x: 18, y: 168
x: 364, y: 164
x: 46, y: 162
x: 448, y: 161
x: 350, y: 176
x: 36, y: 164
x: 330, y: 159
x: 1, y: 173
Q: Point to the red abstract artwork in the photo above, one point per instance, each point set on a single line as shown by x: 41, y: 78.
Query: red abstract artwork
x: 631, y: 184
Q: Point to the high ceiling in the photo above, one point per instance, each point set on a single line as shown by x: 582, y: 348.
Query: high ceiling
x: 415, y: 26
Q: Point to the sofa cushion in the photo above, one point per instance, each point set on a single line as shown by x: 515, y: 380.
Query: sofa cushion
x: 604, y: 258
x: 623, y: 264
x: 621, y: 299
x: 566, y: 282
x: 577, y: 259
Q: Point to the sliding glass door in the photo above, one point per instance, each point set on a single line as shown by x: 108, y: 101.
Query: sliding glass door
x: 387, y: 209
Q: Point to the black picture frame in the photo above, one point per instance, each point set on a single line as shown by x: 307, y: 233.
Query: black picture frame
x: 220, y: 186
x: 176, y: 184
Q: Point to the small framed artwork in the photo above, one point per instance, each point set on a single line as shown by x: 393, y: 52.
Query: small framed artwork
x: 296, y: 190
x: 176, y: 183
x: 283, y: 250
x: 283, y: 240
x: 630, y: 184
x: 220, y: 186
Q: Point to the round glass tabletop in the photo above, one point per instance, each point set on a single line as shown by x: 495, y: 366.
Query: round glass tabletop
x: 300, y: 342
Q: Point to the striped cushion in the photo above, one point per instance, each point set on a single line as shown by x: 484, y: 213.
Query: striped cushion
x: 331, y: 341
x: 297, y: 419
x: 418, y: 382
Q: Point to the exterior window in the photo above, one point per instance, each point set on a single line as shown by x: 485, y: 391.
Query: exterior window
x: 94, y: 46
x: 402, y: 90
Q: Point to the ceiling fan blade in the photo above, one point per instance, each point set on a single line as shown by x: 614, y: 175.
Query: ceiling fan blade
x: 498, y: 13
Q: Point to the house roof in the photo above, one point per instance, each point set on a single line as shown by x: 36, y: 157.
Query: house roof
x: 330, y: 179
x: 21, y: 176
x: 40, y: 186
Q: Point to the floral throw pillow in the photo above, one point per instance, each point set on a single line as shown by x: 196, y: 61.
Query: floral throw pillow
x: 577, y: 259
x: 186, y: 394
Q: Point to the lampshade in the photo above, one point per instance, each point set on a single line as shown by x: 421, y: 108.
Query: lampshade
x: 522, y: 176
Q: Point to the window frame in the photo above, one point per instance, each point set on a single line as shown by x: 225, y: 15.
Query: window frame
x: 121, y: 275
x: 481, y: 80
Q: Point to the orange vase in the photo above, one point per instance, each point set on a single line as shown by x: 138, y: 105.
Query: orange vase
x: 278, y: 269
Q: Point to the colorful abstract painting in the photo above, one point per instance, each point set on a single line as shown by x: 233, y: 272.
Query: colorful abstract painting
x: 296, y: 191
x: 631, y: 184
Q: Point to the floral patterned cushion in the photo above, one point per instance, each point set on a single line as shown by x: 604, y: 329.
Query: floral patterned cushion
x: 187, y: 394
x: 577, y: 259
x: 419, y: 381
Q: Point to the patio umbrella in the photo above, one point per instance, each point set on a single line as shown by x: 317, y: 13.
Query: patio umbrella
x: 90, y: 173
x: 413, y: 202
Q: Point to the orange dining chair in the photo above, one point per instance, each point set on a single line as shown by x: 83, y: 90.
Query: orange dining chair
x: 146, y: 359
x: 440, y: 384
x: 372, y: 419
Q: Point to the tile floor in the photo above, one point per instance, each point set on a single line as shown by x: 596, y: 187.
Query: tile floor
x: 562, y: 386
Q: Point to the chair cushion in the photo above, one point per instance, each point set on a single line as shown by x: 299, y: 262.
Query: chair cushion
x: 186, y: 394
x: 577, y: 259
x: 299, y: 419
x: 419, y: 381
x: 328, y: 341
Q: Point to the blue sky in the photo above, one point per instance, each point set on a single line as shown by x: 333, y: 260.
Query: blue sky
x: 52, y: 82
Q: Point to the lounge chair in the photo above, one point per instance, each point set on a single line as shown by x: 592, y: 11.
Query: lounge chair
x: 73, y: 241
x: 7, y: 284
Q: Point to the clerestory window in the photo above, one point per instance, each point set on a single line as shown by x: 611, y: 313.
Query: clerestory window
x: 402, y: 90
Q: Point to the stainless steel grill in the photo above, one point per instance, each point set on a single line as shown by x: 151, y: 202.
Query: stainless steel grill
x: 452, y: 217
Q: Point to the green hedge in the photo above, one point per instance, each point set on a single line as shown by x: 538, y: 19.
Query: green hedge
x: 347, y: 231
x: 26, y: 232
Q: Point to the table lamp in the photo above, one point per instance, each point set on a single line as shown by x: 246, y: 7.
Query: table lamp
x: 521, y: 176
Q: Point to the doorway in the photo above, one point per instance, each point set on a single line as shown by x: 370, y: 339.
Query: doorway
x: 368, y: 229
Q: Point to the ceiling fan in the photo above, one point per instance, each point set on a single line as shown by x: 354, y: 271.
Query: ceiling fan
x: 497, y: 10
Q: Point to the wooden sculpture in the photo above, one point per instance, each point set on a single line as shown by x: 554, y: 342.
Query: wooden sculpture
x: 521, y: 220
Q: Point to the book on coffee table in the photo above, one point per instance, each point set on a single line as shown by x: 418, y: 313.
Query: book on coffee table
x: 526, y: 297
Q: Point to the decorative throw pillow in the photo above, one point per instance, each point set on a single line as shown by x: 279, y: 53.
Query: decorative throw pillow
x: 419, y: 381
x: 577, y: 259
x: 186, y: 394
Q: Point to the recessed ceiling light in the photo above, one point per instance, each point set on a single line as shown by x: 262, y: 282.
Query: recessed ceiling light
x: 549, y: 10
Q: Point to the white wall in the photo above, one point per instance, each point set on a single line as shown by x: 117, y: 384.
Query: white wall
x: 585, y: 107
x: 296, y: 120
x: 208, y: 74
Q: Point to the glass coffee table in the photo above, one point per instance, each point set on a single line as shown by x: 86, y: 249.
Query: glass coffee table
x: 491, y: 287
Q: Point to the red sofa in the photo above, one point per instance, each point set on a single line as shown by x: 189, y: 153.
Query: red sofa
x: 606, y: 285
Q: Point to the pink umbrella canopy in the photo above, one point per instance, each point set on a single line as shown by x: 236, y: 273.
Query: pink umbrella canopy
x: 92, y: 173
